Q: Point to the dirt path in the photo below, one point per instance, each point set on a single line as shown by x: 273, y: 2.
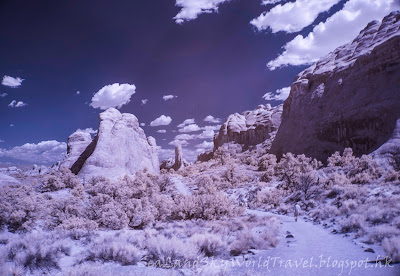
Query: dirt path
x: 316, y: 251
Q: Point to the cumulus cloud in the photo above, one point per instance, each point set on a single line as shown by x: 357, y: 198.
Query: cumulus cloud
x: 190, y: 128
x: 188, y: 154
x: 161, y: 131
x: 193, y: 8
x: 206, y: 134
x: 185, y: 137
x: 11, y: 82
x: 215, y: 127
x: 292, y: 16
x: 205, y: 145
x: 87, y: 130
x: 161, y: 121
x: 178, y: 142
x: 142, y: 124
x: 169, y: 97
x: 333, y: 33
x: 280, y: 95
x: 145, y: 101
x: 1, y: 141
x: 78, y: 92
x: 3, y: 95
x: 45, y: 152
x: 11, y: 125
x: 113, y: 95
x: 186, y: 122
x: 14, y: 103
x: 212, y: 120
x: 268, y: 2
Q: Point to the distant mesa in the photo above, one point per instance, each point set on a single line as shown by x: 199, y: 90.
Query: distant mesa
x: 247, y: 129
x: 349, y: 98
x: 119, y: 148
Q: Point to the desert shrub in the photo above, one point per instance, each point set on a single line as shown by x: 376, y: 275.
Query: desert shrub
x: 59, y: 210
x: 205, y: 206
x: 348, y: 206
x: 324, y: 212
x: 291, y: 168
x: 267, y: 164
x: 358, y: 170
x: 269, y: 199
x: 37, y: 252
x: 378, y: 233
x: 377, y: 214
x: 209, y: 244
x: 392, y: 248
x: 353, y: 223
x: 73, y: 223
x: 19, y: 207
x: 205, y: 185
x: 51, y: 183
x: 164, y: 252
x: 112, y: 249
x: 69, y: 179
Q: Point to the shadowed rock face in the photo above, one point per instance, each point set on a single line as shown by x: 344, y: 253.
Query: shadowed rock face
x: 119, y: 148
x: 249, y: 128
x: 77, y: 143
x: 350, y: 98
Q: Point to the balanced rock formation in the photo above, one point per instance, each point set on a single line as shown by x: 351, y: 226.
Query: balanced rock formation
x: 176, y: 164
x: 119, y: 148
x: 249, y: 128
x: 77, y: 143
x: 350, y: 98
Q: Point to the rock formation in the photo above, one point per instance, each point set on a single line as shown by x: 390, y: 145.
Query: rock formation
x: 119, y: 148
x: 178, y: 163
x: 350, y: 98
x: 77, y: 143
x: 249, y: 128
x: 389, y: 152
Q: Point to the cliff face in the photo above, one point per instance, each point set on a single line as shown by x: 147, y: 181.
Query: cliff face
x: 249, y: 128
x: 119, y: 148
x: 350, y: 98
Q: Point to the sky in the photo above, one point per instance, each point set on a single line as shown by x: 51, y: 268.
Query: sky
x: 180, y: 66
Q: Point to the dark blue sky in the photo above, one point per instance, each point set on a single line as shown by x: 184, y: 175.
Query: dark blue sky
x: 216, y: 64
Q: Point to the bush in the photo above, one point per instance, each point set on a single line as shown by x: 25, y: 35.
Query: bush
x: 353, y: 223
x: 209, y: 244
x: 113, y: 250
x: 51, y: 183
x: 392, y: 248
x: 36, y: 252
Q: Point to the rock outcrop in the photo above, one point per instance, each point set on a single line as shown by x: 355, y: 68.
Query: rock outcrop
x: 389, y: 153
x: 249, y: 128
x: 176, y: 164
x: 119, y: 148
x: 350, y: 98
x: 77, y: 143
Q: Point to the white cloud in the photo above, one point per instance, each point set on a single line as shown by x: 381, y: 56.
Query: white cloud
x: 142, y: 124
x: 185, y: 137
x: 169, y: 97
x: 188, y: 154
x: 268, y: 2
x: 340, y: 28
x: 87, y: 130
x: 11, y: 82
x: 292, y: 16
x: 78, y: 92
x: 215, y: 127
x: 145, y: 101
x: 186, y: 122
x: 178, y: 142
x: 14, y: 103
x: 190, y: 128
x: 113, y: 95
x: 11, y: 125
x: 161, y: 121
x: 212, y: 120
x: 205, y: 145
x: 161, y: 131
x: 1, y: 141
x: 45, y: 152
x: 3, y: 95
x: 206, y: 134
x: 192, y: 8
x: 280, y: 95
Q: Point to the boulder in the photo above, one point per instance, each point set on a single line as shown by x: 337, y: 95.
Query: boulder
x: 120, y: 148
x: 349, y: 98
x: 77, y: 143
